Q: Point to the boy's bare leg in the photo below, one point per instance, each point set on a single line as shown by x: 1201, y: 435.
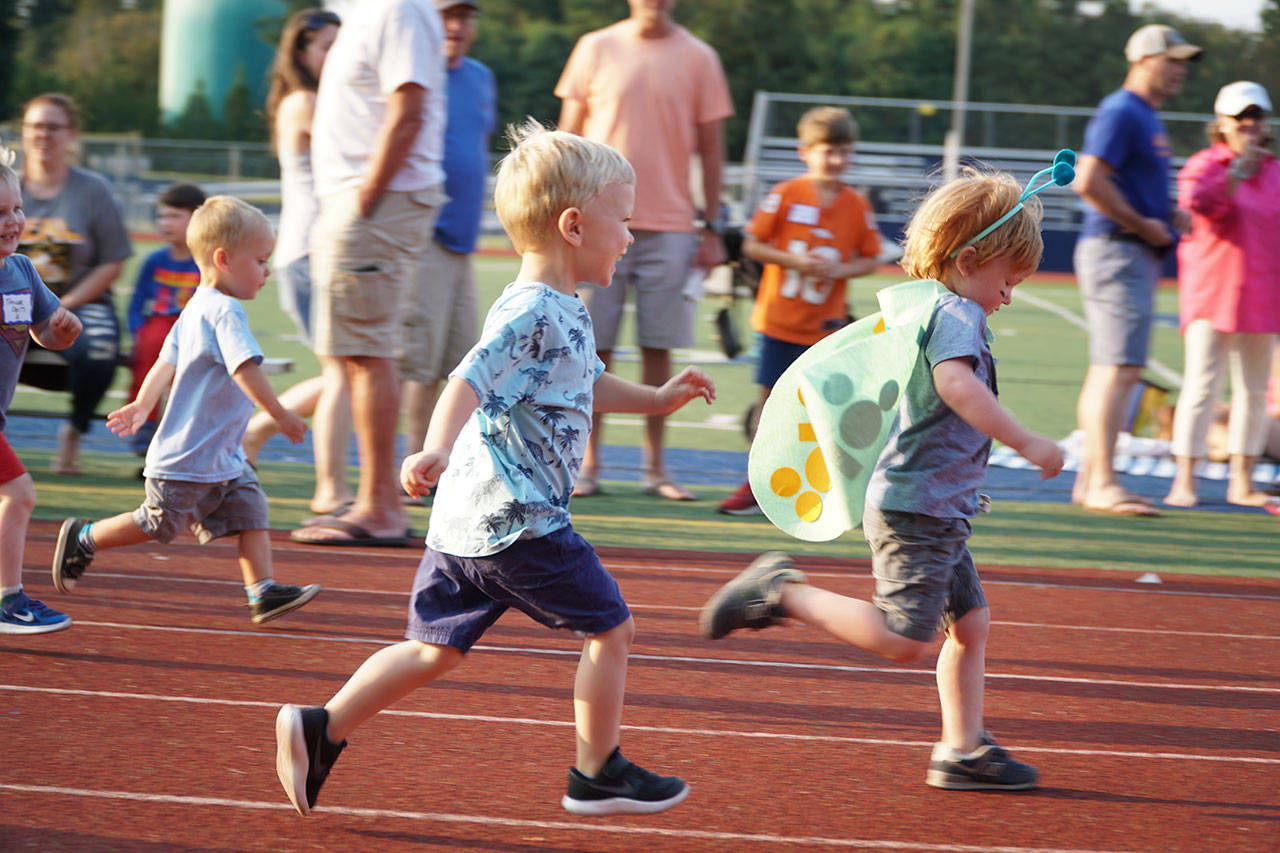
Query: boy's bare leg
x: 598, y: 691
x: 383, y: 679
x: 117, y: 531
x: 330, y: 438
x: 255, y: 556
x: 17, y: 502
x: 856, y: 622
x: 961, y: 674
x: 1182, y: 492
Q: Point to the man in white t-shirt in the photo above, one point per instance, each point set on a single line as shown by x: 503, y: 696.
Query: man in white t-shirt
x: 376, y: 147
x: 647, y: 87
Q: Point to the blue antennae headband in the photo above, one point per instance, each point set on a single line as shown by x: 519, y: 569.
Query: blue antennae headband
x: 1061, y: 173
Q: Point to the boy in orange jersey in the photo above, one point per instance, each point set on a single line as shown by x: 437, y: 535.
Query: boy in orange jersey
x: 812, y: 234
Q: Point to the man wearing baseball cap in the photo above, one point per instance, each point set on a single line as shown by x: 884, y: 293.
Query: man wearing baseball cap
x: 1129, y: 225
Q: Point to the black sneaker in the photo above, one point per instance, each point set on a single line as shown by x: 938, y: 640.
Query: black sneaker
x: 279, y: 599
x: 304, y: 753
x: 69, y: 559
x: 622, y: 787
x: 751, y: 600
x: 988, y: 768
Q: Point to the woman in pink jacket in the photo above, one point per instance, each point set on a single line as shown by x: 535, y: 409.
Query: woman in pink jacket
x: 1229, y: 280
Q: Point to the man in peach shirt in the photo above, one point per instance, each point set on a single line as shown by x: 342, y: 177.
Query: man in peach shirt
x: 647, y: 87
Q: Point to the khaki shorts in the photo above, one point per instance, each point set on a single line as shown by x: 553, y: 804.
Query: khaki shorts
x: 655, y: 268
x: 209, y: 510
x: 361, y: 266
x: 439, y: 316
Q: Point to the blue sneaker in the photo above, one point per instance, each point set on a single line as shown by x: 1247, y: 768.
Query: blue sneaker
x: 24, y: 615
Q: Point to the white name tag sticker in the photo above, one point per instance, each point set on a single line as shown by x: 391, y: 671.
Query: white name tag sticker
x: 17, y: 308
x: 803, y: 214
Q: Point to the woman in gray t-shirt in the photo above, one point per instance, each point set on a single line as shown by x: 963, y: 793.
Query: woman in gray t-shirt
x: 75, y: 236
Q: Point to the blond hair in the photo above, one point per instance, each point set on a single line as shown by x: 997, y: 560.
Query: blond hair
x: 954, y: 212
x: 546, y: 172
x: 827, y: 126
x: 223, y: 221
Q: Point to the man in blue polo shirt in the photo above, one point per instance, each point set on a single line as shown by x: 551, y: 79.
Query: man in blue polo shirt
x: 1129, y: 225
x: 441, y: 320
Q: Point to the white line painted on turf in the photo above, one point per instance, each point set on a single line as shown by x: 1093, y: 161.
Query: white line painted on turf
x: 593, y: 827
x: 699, y: 661
x: 674, y: 730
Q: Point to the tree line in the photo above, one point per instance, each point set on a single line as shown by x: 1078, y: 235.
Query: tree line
x: 1062, y: 52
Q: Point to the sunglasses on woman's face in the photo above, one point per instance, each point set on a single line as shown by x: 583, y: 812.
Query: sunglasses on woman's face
x: 1254, y: 113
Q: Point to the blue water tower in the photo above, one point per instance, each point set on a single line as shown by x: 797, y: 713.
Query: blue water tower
x: 206, y: 44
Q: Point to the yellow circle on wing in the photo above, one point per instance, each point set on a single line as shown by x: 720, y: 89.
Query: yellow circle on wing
x: 809, y: 506
x: 785, y: 482
x: 815, y: 471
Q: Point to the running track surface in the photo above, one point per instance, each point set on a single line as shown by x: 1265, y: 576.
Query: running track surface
x: 1152, y: 711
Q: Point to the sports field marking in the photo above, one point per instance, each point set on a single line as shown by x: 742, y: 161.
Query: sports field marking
x: 702, y: 661
x: 676, y: 730
x: 562, y: 825
x: 1168, y: 375
x: 687, y: 570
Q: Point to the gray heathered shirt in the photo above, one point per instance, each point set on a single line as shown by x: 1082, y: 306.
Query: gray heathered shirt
x: 934, y: 461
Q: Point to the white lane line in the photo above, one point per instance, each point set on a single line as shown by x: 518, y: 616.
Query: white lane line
x: 700, y: 661
x: 595, y: 828
x: 1170, y: 376
x: 695, y: 570
x: 675, y: 730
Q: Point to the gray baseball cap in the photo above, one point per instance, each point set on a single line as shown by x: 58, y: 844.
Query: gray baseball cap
x: 1154, y: 39
x: 441, y: 5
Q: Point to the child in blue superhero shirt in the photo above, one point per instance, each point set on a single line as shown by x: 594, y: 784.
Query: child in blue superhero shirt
x: 924, y: 489
x: 505, y: 447
x: 28, y: 311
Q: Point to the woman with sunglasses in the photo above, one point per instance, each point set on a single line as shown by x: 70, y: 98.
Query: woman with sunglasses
x: 1229, y: 282
x: 295, y: 76
x: 76, y: 237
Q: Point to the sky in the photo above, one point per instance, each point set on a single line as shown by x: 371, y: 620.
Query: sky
x: 1239, y: 14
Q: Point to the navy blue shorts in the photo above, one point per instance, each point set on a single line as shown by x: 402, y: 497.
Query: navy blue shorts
x: 556, y: 579
x: 775, y: 357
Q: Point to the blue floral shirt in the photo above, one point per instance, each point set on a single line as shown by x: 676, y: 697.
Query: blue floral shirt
x: 514, y: 464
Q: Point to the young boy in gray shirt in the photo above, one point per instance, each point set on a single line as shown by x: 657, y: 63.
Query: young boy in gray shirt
x: 924, y: 490
x: 196, y: 473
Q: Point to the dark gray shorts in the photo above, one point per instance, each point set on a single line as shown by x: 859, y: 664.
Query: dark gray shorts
x: 925, y: 578
x: 209, y: 510
x: 556, y: 579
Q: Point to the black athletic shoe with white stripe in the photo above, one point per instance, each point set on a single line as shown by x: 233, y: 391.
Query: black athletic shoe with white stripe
x: 304, y: 753
x: 988, y: 768
x: 279, y: 599
x: 622, y: 787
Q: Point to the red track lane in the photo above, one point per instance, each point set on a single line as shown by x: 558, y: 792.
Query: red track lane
x: 1152, y: 711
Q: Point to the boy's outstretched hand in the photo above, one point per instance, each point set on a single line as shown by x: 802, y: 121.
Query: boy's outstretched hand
x: 1045, y: 454
x: 687, y: 385
x: 420, y: 472
x: 127, y: 419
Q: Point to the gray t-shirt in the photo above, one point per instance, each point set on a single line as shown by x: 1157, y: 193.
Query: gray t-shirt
x: 934, y: 460
x: 78, y: 229
x: 24, y: 302
x: 200, y: 436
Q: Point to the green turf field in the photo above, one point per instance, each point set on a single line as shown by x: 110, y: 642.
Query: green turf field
x: 1042, y: 358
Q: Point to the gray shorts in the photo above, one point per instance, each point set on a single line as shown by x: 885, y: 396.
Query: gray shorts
x: 655, y: 268
x: 925, y: 578
x: 1118, y: 287
x: 439, y: 319
x: 209, y: 510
